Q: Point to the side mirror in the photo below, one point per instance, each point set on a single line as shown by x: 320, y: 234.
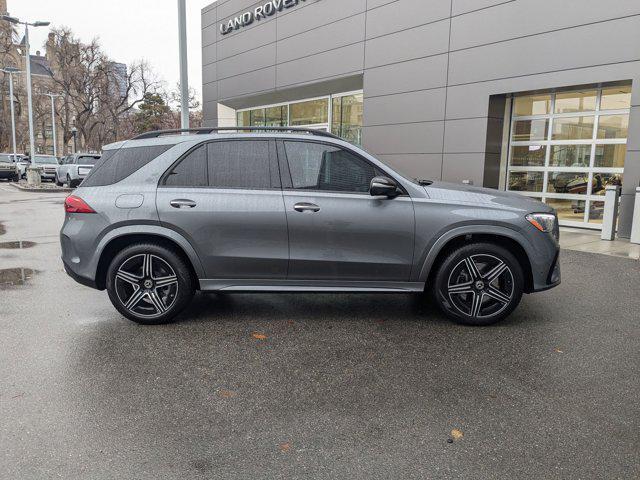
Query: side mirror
x: 384, y: 186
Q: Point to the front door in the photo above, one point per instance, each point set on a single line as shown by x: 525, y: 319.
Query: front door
x: 225, y: 198
x: 337, y: 231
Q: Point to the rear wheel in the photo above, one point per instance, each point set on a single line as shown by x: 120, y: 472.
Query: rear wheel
x: 479, y: 284
x: 149, y: 283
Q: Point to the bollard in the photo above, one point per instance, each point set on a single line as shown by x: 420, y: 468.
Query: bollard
x: 635, y: 226
x: 610, y: 217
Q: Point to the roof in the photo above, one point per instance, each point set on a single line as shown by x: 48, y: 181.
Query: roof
x: 40, y: 66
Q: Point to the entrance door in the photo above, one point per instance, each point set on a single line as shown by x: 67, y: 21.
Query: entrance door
x: 337, y: 231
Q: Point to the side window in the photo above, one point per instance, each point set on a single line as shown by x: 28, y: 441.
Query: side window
x: 191, y: 171
x: 116, y: 165
x: 239, y: 164
x: 315, y: 166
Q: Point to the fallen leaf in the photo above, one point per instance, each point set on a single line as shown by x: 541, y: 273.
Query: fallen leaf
x: 259, y: 336
x: 285, y: 447
x: 226, y: 393
x: 557, y: 350
x: 456, y: 434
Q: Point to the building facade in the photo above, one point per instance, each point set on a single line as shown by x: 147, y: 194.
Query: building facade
x: 537, y: 96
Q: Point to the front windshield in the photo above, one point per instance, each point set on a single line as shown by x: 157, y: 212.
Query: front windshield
x: 45, y: 159
x: 87, y: 160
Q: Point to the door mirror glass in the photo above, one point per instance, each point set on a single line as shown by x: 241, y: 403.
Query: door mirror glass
x: 383, y: 186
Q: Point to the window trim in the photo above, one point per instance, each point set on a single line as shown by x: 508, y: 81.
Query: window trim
x: 290, y: 187
x: 273, y: 167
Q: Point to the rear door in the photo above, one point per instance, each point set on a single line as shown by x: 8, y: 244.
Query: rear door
x: 224, y: 196
x: 337, y: 230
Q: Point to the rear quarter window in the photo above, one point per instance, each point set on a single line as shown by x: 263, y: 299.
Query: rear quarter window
x: 116, y: 165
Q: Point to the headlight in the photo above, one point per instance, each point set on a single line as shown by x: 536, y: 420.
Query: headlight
x: 545, y: 222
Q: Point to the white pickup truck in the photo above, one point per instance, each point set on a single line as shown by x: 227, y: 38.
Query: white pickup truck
x: 74, y: 168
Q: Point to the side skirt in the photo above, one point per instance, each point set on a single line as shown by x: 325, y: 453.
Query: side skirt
x: 235, y: 285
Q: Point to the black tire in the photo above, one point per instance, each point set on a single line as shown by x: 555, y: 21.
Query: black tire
x: 69, y: 182
x: 483, y: 297
x: 127, y: 269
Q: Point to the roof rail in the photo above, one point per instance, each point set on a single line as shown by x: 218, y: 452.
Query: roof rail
x: 206, y: 131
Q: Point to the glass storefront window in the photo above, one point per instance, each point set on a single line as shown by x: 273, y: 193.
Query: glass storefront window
x: 532, y: 105
x: 610, y: 156
x: 526, y: 181
x: 613, y: 126
x: 570, y: 146
x: 346, y: 117
x: 276, y: 116
x: 530, y: 130
x: 312, y: 112
x: 573, y: 128
x: 528, y: 156
x: 573, y: 183
x: 570, y: 156
x: 571, y: 102
x: 244, y: 119
x: 571, y: 210
x: 616, y: 98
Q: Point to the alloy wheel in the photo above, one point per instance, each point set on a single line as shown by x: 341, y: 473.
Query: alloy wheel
x: 480, y: 286
x: 146, y: 285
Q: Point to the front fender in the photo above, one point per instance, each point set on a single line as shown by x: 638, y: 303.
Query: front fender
x: 433, y: 250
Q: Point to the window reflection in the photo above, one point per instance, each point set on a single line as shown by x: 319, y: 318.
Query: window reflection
x: 572, y: 128
x: 528, y: 156
x: 613, y: 126
x: 610, y: 156
x: 530, y: 130
x: 570, y: 102
x: 526, y: 181
x: 312, y: 112
x: 570, y: 156
x: 616, y: 98
x: 346, y: 117
x: 532, y: 105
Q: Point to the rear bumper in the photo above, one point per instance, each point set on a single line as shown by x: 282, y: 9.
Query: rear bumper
x: 87, y: 282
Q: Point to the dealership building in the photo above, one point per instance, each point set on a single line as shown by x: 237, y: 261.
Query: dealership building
x: 541, y: 97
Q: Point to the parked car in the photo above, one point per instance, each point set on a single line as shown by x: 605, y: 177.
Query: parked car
x: 49, y: 165
x: 74, y: 168
x: 9, y: 167
x: 289, y: 210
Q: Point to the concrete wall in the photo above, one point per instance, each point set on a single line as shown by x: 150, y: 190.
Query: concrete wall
x: 428, y: 69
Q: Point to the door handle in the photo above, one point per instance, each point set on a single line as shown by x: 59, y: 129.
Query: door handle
x: 182, y: 203
x: 306, y: 207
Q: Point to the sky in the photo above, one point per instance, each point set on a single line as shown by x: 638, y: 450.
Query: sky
x: 127, y: 30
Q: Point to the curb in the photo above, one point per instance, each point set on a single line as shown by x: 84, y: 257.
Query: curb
x: 40, y: 190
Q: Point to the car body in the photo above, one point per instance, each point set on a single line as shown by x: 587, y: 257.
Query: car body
x: 296, y: 211
x: 74, y: 168
x: 9, y: 168
x: 49, y: 165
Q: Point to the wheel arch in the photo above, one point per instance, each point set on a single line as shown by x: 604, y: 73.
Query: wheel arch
x: 115, y: 243
x: 451, y: 240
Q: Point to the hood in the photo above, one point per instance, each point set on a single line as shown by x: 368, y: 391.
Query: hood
x: 470, y: 195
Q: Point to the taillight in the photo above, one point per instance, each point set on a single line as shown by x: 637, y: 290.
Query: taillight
x: 73, y: 204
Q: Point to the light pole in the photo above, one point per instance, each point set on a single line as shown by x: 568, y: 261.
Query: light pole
x: 53, y: 121
x: 11, y: 71
x: 74, y: 132
x: 184, y: 76
x: 33, y: 174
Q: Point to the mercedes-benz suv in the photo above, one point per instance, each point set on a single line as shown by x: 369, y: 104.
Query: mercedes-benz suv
x: 289, y: 210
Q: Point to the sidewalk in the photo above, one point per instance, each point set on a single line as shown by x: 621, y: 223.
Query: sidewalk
x: 589, y: 241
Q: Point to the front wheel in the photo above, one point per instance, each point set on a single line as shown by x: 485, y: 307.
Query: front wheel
x: 149, y: 283
x: 479, y: 284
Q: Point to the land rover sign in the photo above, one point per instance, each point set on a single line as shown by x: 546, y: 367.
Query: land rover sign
x: 260, y: 12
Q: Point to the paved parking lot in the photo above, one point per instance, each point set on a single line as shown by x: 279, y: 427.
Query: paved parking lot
x: 310, y: 386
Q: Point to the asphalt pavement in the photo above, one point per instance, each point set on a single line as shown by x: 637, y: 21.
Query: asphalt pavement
x: 270, y: 386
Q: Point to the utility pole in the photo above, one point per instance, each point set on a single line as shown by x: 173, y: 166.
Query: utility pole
x: 33, y: 173
x: 53, y: 121
x: 184, y: 75
x: 11, y: 71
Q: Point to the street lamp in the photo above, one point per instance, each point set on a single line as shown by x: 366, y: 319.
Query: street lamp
x: 31, y: 179
x: 74, y: 133
x: 53, y: 121
x: 184, y: 76
x: 11, y: 71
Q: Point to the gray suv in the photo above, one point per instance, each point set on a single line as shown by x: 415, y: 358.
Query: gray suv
x: 292, y: 210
